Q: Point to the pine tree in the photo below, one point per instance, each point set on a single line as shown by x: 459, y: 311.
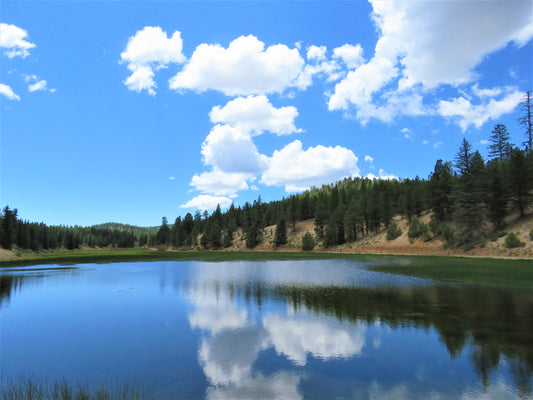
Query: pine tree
x: 9, y: 221
x: 321, y: 216
x: 521, y: 180
x: 440, y: 189
x: 469, y: 195
x: 280, y: 236
x: 500, y: 146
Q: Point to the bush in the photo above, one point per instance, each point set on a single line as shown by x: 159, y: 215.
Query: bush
x: 512, y: 241
x: 531, y: 234
x: 394, y: 231
x: 416, y: 229
x: 308, y: 243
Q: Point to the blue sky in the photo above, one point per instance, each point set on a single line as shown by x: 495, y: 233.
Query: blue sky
x: 130, y: 111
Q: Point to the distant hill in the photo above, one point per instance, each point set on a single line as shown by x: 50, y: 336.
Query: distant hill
x: 126, y: 227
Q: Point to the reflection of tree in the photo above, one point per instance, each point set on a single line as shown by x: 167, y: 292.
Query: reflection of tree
x: 10, y: 283
x: 496, y: 321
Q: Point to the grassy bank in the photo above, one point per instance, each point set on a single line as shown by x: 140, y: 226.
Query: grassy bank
x: 487, y: 271
x: 32, y: 389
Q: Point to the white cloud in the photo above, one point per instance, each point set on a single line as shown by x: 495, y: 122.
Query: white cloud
x: 437, y: 144
x: 12, y: 39
x: 150, y: 49
x: 317, y: 53
x: 359, y: 85
x: 323, y: 337
x: 220, y: 183
x: 244, y: 68
x: 256, y: 113
x: 207, y: 202
x: 464, y: 113
x: 298, y: 169
x: 39, y: 85
x: 351, y: 56
x: 280, y: 386
x: 369, y: 159
x: 171, y: 178
x: 456, y: 36
x: 231, y: 150
x: 141, y: 79
x: 382, y: 175
x: 8, y: 92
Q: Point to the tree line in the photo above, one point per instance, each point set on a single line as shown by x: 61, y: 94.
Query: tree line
x: 469, y: 199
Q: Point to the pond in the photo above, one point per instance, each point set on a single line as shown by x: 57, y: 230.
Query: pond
x: 328, y: 329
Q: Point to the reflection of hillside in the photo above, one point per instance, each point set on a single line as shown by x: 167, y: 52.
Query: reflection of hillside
x: 494, y: 322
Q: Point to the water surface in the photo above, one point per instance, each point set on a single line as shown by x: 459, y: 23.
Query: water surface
x: 270, y: 330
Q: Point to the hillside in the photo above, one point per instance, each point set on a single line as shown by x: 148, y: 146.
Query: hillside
x: 376, y: 243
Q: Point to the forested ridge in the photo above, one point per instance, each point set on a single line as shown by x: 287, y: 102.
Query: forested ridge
x: 468, y: 198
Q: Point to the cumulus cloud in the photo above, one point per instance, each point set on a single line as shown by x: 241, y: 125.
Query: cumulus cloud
x: 351, y: 56
x: 360, y: 85
x: 6, y: 91
x: 323, y: 337
x: 207, y: 202
x: 299, y: 169
x: 232, y: 150
x: 382, y: 175
x: 369, y: 159
x: 244, y: 67
x: 13, y: 40
x: 457, y: 35
x: 150, y: 48
x: 256, y: 113
x: 317, y: 53
x: 220, y: 183
x: 464, y: 113
x: 406, y: 64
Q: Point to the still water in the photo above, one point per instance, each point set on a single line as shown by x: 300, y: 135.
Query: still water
x: 267, y: 330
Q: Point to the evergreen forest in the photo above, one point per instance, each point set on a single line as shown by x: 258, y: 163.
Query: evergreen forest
x: 468, y: 197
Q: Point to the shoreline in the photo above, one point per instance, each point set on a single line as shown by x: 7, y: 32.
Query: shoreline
x: 477, y: 270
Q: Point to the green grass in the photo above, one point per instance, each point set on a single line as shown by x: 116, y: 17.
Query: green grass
x: 31, y: 389
x: 143, y: 254
x: 487, y: 271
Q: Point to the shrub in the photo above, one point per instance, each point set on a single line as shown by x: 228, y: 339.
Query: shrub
x: 512, y: 241
x: 308, y: 243
x: 394, y: 231
x: 531, y: 234
x: 416, y: 229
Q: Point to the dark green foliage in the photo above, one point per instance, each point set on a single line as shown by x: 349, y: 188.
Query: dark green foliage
x: 394, y: 231
x: 521, y: 179
x: 213, y: 235
x: 7, y: 228
x: 500, y: 146
x: 308, y: 243
x: 531, y: 234
x: 163, y: 235
x: 497, y: 197
x: 440, y: 189
x: 512, y: 241
x: 321, y: 216
x: 417, y: 229
x: 469, y: 195
x: 280, y: 236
